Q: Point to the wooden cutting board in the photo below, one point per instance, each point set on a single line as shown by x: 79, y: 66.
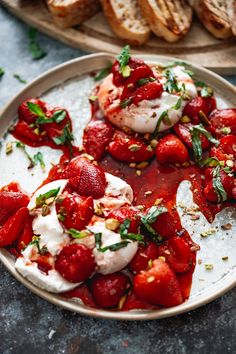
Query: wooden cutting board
x: 95, y: 35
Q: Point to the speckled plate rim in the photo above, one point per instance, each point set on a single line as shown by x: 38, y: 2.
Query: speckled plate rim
x: 51, y: 78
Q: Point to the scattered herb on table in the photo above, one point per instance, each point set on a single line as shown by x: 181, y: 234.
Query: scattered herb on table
x: 20, y: 79
x: 36, y: 51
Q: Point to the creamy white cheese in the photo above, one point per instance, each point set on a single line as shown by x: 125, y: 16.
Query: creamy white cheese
x: 117, y: 194
x: 48, y: 227
x: 143, y: 118
x: 109, y: 262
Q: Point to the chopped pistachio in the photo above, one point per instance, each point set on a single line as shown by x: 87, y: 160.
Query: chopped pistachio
x: 150, y: 279
x: 225, y: 258
x: 148, y: 192
x: 158, y: 201
x: 185, y: 119
x: 146, y: 136
x: 45, y: 210
x: 142, y: 165
x: 209, y: 266
x: 134, y: 147
x: 162, y: 258
x: 229, y: 163
x: 9, y: 148
x: 112, y: 224
x: 138, y: 172
x: 153, y: 143
x: 185, y: 164
x: 122, y: 301
x: 98, y: 209
x: 132, y: 165
x: 225, y: 130
x: 149, y: 148
x: 209, y: 232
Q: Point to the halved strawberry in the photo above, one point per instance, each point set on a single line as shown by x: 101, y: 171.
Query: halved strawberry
x: 177, y: 254
x: 97, y: 136
x: 183, y: 132
x: 226, y: 149
x: 118, y: 78
x: 26, y: 235
x: 223, y: 118
x: 130, y: 149
x: 124, y: 213
x: 228, y: 182
x: 170, y: 149
x: 13, y: 227
x: 27, y: 135
x: 26, y: 114
x: 82, y: 292
x: 143, y: 256
x: 197, y: 104
x: 158, y: 285
x: 74, y: 211
x: 86, y: 178
x: 75, y: 263
x: 55, y: 129
x: 165, y: 225
x: 107, y: 290
x: 10, y: 202
x: 11, y: 187
x: 134, y: 303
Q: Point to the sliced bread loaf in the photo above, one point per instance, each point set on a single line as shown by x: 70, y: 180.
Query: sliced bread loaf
x: 126, y: 20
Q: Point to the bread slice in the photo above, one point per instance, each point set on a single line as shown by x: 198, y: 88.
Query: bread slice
x: 214, y: 16
x: 126, y: 20
x: 68, y: 13
x: 168, y: 19
x: 231, y: 10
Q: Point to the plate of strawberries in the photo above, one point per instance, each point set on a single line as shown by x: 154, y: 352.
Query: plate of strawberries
x: 118, y: 190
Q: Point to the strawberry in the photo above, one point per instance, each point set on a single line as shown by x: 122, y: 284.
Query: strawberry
x: 129, y: 149
x: 10, y: 202
x: 24, y: 112
x: 124, y: 213
x: 134, y: 303
x: 183, y: 132
x: 158, y: 285
x: 13, y: 227
x: 26, y: 235
x: 227, y: 181
x: 118, y: 78
x: 177, y: 254
x: 55, y: 129
x: 27, y: 135
x: 170, y: 149
x: 197, y: 104
x: 86, y: 178
x: 226, y: 149
x: 75, y: 263
x: 107, y: 290
x: 143, y: 256
x: 11, y: 187
x: 165, y: 225
x: 223, y: 118
x: 97, y: 136
x: 82, y: 292
x: 74, y: 211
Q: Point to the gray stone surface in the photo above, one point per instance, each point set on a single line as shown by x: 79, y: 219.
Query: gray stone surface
x: 26, y: 320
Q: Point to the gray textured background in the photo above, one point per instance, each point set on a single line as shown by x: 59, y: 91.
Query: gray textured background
x: 26, y: 320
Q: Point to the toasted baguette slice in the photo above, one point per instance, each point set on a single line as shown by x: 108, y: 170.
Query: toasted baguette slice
x: 231, y: 10
x: 214, y: 16
x: 168, y: 19
x: 68, y: 13
x: 126, y: 20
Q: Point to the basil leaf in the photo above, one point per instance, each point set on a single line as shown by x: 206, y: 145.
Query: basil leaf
x: 115, y: 247
x: 36, y: 51
x: 77, y: 234
x: 218, y: 186
x: 98, y: 240
x: 195, y: 132
x: 57, y: 117
x: 178, y: 104
x: 171, y: 84
x: 103, y: 72
x: 200, y: 128
x: 38, y: 158
x: 124, y: 228
x: 126, y: 102
x: 2, y: 72
x: 35, y: 109
x: 19, y: 78
x: 210, y: 162
x: 151, y: 217
x: 35, y: 241
x: 41, y: 199
x: 123, y: 60
x: 206, y: 91
x: 66, y: 137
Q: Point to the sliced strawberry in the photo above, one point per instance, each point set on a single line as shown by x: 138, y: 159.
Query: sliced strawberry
x: 13, y: 227
x: 227, y: 181
x: 75, y: 263
x: 165, y: 225
x: 149, y: 91
x: 97, y: 136
x: 223, y: 118
x: 118, y: 78
x: 107, y: 290
x: 25, y: 113
x: 130, y: 149
x: 11, y: 187
x: 82, y: 292
x: 74, y: 211
x: 226, y: 149
x: 27, y: 135
x: 170, y: 149
x: 27, y: 234
x: 183, y: 132
x: 10, y: 202
x: 197, y: 104
x: 55, y: 129
x: 86, y: 178
x: 143, y: 256
x: 134, y: 303
x: 177, y: 254
x: 124, y: 213
x: 158, y: 285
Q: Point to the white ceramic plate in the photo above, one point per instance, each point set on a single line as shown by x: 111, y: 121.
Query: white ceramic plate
x: 69, y: 85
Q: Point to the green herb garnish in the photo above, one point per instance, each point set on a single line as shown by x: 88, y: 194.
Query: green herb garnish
x: 115, y: 247
x: 206, y: 91
x: 78, y: 234
x: 126, y: 102
x: 36, y: 109
x: 35, y: 241
x: 98, y: 240
x: 151, y: 217
x: 103, y: 72
x: 2, y: 72
x: 124, y: 228
x: 57, y: 117
x: 195, y: 132
x: 19, y: 78
x: 218, y: 186
x: 66, y: 138
x: 36, y: 51
x: 42, y: 198
x: 164, y: 117
x: 123, y: 60
x: 37, y: 158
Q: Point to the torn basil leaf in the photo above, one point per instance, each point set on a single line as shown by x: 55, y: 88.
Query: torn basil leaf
x: 41, y: 199
x: 103, y: 72
x: 218, y: 186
